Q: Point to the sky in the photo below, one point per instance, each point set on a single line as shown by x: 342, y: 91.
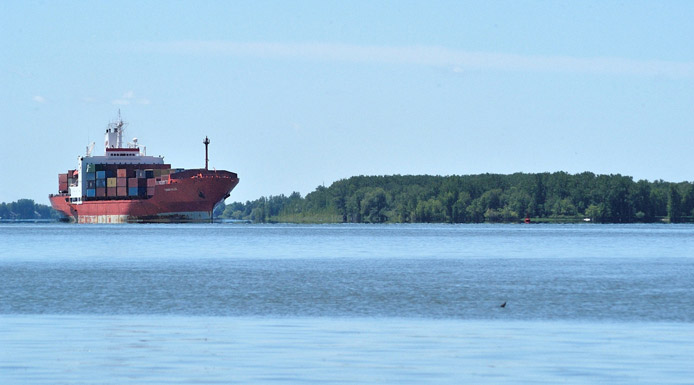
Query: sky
x: 294, y: 95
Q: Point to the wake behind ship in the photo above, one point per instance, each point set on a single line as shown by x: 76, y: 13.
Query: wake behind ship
x: 127, y: 185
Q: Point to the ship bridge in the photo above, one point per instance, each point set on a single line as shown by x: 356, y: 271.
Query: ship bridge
x: 118, y: 153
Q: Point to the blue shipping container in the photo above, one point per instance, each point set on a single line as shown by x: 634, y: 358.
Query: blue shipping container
x: 132, y: 191
x: 110, y: 173
x: 101, y: 175
x: 101, y: 183
x: 89, y: 176
x: 91, y: 192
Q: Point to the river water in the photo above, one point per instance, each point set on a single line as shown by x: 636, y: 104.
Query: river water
x: 239, y: 303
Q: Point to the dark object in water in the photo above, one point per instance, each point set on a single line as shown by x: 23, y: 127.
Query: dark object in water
x: 503, y: 304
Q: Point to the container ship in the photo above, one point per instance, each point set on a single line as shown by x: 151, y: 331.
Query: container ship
x: 127, y: 185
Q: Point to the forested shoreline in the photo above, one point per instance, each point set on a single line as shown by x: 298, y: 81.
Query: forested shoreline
x: 543, y: 197
x: 26, y: 209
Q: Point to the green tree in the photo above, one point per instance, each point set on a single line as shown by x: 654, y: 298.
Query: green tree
x: 641, y: 199
x: 620, y: 208
x: 688, y: 201
x: 476, y: 211
x: 596, y: 213
x: 340, y: 193
x: 460, y: 207
x: 674, y: 205
x: 539, y: 195
x: 374, y: 205
x: 562, y: 207
x: 519, y: 201
x: 448, y: 199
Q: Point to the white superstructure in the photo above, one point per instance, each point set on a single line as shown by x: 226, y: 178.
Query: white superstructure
x: 114, y: 153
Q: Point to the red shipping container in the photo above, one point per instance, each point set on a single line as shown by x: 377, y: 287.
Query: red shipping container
x: 111, y: 191
x: 62, y: 186
x: 62, y: 178
x: 122, y: 182
x: 122, y: 173
x: 151, y: 182
x: 101, y: 192
x: 150, y: 191
x: 132, y: 182
x: 122, y: 191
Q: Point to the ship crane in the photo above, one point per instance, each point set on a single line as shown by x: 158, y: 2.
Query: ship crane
x: 90, y: 148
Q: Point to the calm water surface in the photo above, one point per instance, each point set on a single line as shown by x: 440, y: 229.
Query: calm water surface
x: 231, y: 303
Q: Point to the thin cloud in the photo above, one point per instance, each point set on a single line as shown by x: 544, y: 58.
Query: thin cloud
x: 125, y: 99
x: 39, y: 99
x: 456, y: 60
x: 129, y: 98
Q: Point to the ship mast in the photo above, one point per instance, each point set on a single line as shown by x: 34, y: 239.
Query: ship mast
x: 206, y: 142
x: 119, y: 130
x: 114, y: 133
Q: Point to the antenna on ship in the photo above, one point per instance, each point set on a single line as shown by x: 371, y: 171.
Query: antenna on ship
x: 119, y: 128
x: 206, y: 142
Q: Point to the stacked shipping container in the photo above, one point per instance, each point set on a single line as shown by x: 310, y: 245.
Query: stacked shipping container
x: 118, y: 181
x: 63, y: 182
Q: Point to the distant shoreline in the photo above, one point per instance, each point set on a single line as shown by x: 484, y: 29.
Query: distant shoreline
x: 483, y: 198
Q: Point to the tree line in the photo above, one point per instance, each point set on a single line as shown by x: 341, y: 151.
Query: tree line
x: 26, y: 209
x: 479, y: 198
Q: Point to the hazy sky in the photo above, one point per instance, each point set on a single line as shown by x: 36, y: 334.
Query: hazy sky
x: 298, y: 94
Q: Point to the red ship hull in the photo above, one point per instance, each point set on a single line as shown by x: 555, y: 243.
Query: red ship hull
x: 189, y: 196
